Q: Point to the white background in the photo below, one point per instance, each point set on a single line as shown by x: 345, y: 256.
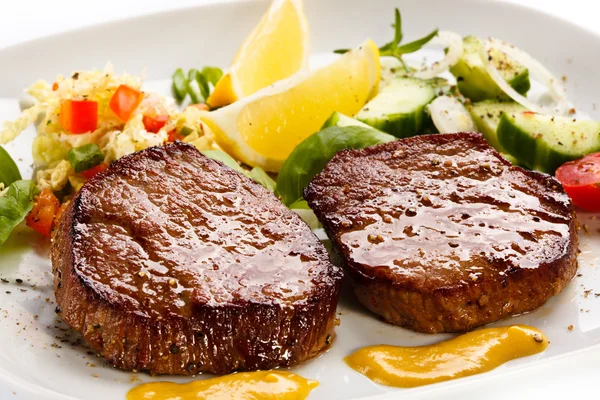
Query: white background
x: 23, y: 20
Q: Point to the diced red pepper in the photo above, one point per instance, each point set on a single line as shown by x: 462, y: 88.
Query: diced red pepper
x: 79, y: 116
x: 54, y: 87
x: 45, y: 208
x: 155, y: 123
x: 173, y: 136
x: 90, y: 173
x: 125, y: 101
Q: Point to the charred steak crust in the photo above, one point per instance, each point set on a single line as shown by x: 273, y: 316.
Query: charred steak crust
x: 439, y: 233
x: 171, y: 262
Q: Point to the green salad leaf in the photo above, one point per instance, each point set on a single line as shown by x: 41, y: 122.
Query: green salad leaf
x: 257, y: 174
x: 393, y: 48
x: 260, y: 176
x: 9, y: 172
x: 225, y: 158
x: 311, y: 155
x: 301, y: 208
x: 15, y: 204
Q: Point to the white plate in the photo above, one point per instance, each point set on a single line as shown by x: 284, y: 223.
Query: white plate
x: 41, y: 359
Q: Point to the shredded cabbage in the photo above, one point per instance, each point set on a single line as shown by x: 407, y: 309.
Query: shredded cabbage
x: 76, y: 181
x: 202, y: 137
x: 133, y: 138
x: 55, y: 177
x: 12, y: 129
x: 114, y: 137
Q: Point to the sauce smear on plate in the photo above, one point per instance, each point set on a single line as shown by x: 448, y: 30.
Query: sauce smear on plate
x: 468, y: 354
x: 259, y: 385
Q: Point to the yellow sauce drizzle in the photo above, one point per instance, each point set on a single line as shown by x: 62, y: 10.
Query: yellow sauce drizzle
x: 468, y: 354
x: 259, y: 385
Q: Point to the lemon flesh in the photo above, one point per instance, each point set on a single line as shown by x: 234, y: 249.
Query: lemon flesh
x: 263, y: 129
x: 276, y: 49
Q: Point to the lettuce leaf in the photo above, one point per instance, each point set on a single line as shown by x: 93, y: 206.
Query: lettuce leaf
x: 15, y: 204
x: 311, y: 155
x: 9, y: 171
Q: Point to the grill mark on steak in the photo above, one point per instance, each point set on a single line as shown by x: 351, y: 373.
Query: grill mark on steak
x: 174, y: 263
x: 440, y: 233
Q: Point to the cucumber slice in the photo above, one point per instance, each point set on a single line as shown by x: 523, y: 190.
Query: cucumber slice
x: 545, y: 142
x: 391, y: 68
x: 474, y: 82
x: 486, y: 115
x: 398, y: 109
x: 341, y: 120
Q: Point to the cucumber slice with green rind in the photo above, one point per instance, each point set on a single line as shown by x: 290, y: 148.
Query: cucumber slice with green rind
x: 399, y: 107
x: 486, y: 115
x: 339, y: 119
x: 545, y: 142
x: 474, y: 82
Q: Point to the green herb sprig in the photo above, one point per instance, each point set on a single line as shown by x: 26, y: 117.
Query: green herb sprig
x: 394, y: 48
x: 198, y: 84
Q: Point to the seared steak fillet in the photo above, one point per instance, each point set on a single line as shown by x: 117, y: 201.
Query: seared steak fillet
x: 173, y: 263
x: 439, y: 233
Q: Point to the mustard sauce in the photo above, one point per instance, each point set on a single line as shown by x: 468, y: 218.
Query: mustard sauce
x: 468, y: 354
x: 259, y: 385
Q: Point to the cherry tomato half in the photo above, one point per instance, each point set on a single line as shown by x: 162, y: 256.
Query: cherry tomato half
x: 581, y: 180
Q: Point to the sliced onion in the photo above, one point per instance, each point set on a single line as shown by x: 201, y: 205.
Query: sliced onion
x: 449, y: 115
x: 536, y: 70
x: 454, y: 43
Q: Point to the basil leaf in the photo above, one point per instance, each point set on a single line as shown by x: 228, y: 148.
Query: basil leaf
x: 212, y: 74
x: 224, y: 158
x: 9, y: 172
x: 310, y: 156
x: 15, y: 204
x: 260, y: 176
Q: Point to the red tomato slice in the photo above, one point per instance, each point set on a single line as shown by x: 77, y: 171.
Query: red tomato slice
x: 79, y: 116
x: 581, y: 180
x: 41, y: 216
x: 90, y: 173
x: 155, y: 123
x: 124, y: 102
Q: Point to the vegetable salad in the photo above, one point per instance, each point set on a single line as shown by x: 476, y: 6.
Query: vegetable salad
x: 84, y: 122
x: 96, y: 117
x: 89, y: 119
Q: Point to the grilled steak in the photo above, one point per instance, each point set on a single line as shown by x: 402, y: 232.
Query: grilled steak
x: 173, y: 263
x: 439, y: 233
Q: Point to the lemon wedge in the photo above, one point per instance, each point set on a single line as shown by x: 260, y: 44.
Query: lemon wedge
x: 261, y: 130
x: 276, y: 49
